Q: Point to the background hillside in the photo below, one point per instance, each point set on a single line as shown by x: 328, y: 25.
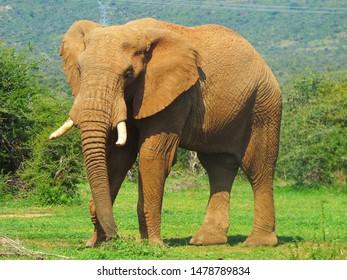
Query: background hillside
x: 295, y: 36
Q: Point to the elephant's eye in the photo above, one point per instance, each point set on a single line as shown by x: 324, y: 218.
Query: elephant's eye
x: 129, y: 73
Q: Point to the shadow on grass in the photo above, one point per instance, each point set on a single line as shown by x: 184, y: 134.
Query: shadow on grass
x: 232, y: 240
x: 288, y: 239
x: 177, y: 242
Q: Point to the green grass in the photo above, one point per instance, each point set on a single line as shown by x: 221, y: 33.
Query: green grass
x: 311, y: 224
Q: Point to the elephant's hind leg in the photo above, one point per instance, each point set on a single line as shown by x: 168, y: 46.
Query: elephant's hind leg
x: 259, y: 164
x: 221, y: 169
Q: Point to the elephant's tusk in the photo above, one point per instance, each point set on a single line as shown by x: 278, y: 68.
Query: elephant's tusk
x: 122, y: 134
x: 62, y: 130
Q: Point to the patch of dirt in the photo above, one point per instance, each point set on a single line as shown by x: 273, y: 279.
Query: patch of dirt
x: 24, y: 215
x: 287, y: 43
x: 342, y: 34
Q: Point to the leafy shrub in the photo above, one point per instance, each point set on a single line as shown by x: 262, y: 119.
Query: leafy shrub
x: 314, y: 135
x: 28, y: 113
x: 5, y: 190
x: 55, y: 168
x: 188, y: 162
x: 18, y: 87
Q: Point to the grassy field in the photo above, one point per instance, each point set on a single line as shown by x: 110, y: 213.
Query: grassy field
x: 311, y: 224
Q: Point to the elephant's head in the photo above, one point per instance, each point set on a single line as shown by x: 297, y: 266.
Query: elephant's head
x: 111, y: 69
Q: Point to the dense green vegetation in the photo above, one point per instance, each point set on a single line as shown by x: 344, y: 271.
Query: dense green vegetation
x: 18, y: 88
x: 28, y: 113
x: 310, y: 226
x: 314, y: 131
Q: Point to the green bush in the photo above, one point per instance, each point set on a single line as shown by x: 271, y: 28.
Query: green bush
x: 29, y: 113
x: 5, y: 190
x: 314, y: 134
x: 55, y: 168
x: 19, y: 84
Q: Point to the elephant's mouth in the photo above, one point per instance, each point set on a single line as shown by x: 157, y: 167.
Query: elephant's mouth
x: 69, y: 124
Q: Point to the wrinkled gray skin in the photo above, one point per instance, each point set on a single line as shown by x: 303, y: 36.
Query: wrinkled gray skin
x: 202, y: 88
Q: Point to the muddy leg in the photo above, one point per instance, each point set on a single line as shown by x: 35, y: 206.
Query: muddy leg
x: 221, y: 169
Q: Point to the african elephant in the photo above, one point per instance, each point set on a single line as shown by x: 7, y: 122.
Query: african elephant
x: 144, y: 89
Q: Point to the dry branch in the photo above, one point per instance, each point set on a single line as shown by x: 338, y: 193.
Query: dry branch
x: 10, y: 247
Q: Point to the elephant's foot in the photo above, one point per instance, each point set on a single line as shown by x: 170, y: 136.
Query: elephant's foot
x: 156, y: 242
x: 256, y: 239
x: 153, y: 241
x: 206, y: 237
x: 96, y: 239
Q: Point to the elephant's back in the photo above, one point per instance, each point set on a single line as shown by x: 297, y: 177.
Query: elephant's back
x: 218, y: 45
x: 227, y: 59
x: 233, y: 71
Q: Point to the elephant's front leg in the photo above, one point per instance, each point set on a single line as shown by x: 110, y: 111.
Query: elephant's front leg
x: 119, y: 161
x: 116, y: 179
x: 156, y: 158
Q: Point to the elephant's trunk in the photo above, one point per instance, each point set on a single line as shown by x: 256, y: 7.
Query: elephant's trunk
x: 94, y: 137
x: 99, y: 112
x: 96, y: 110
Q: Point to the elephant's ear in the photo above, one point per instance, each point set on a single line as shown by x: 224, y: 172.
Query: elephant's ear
x: 172, y: 68
x: 72, y: 46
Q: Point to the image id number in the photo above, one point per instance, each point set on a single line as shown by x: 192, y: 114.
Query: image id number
x: 218, y: 270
